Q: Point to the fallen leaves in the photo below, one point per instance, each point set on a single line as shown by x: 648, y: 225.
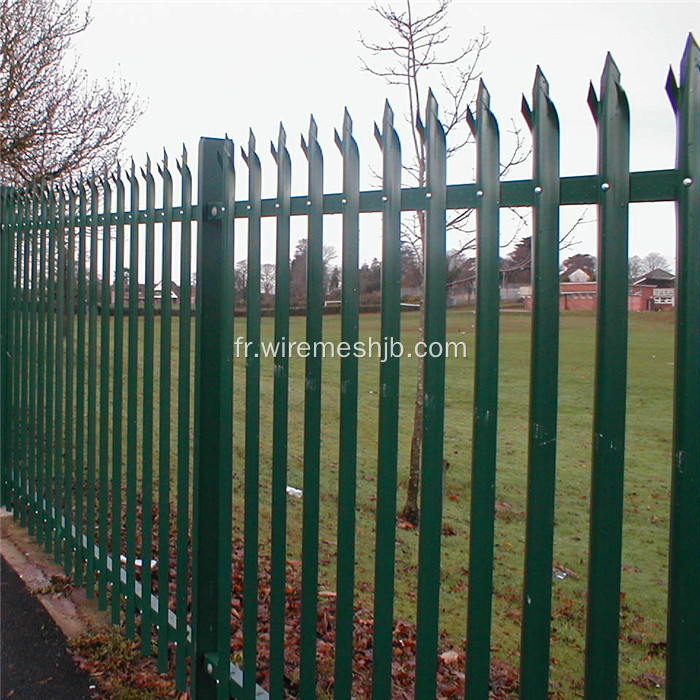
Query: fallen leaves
x: 118, y: 668
x: 650, y: 680
x: 59, y: 585
x: 450, y: 656
x: 451, y: 660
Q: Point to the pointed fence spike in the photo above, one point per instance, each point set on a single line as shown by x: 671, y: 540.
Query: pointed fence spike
x: 338, y: 140
x: 672, y: 89
x: 420, y: 128
x: 273, y: 150
x: 431, y: 106
x: 483, y: 95
x: 691, y: 57
x: 244, y: 155
x: 690, y: 61
x: 593, y: 102
x: 282, y: 139
x: 229, y: 151
x: 378, y: 135
x: 304, y: 147
x: 540, y: 81
x: 526, y: 111
x: 347, y: 121
x: 610, y: 76
x: 313, y: 129
x: 471, y: 121
x: 388, y: 114
x: 691, y: 44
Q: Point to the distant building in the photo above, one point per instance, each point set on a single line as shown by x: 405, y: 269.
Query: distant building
x: 658, y: 278
x: 174, y: 292
x: 663, y: 283
x: 579, y: 296
x: 578, y: 291
x: 157, y: 293
x: 577, y: 274
x: 141, y: 293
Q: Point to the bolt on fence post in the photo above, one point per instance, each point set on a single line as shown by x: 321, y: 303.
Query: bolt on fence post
x: 213, y: 419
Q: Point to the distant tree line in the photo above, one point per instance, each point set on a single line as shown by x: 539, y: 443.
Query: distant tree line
x: 516, y: 269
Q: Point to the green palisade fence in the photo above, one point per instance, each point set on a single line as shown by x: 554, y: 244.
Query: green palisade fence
x: 118, y: 403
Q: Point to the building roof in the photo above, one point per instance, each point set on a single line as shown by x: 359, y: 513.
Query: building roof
x: 655, y: 275
x: 566, y: 275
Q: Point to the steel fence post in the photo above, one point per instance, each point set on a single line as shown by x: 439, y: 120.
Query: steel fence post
x: 214, y: 378
x: 5, y: 268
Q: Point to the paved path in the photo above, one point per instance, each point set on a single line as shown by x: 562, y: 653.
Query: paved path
x: 35, y: 663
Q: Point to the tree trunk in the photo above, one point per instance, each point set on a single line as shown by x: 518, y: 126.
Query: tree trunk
x: 411, y: 510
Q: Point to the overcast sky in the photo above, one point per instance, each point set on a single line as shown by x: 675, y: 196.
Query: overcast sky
x: 209, y: 68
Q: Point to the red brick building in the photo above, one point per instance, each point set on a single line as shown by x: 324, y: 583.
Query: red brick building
x: 653, y: 292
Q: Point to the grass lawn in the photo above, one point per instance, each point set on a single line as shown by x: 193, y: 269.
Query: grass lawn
x: 647, y: 482
x: 646, y: 492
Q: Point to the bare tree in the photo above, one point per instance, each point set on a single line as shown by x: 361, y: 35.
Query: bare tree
x: 267, y: 278
x: 54, y: 121
x: 417, y: 50
x: 240, y: 282
x: 654, y: 261
x: 298, y: 268
x: 635, y: 268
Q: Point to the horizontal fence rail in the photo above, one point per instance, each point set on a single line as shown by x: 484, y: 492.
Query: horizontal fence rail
x: 157, y: 467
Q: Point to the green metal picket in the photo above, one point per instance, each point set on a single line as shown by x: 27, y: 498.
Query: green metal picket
x: 683, y: 655
x: 544, y: 377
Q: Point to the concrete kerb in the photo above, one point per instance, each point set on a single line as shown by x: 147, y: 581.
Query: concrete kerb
x: 73, y: 613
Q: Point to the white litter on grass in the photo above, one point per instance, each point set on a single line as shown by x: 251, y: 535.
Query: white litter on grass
x: 297, y: 493
x: 138, y: 562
